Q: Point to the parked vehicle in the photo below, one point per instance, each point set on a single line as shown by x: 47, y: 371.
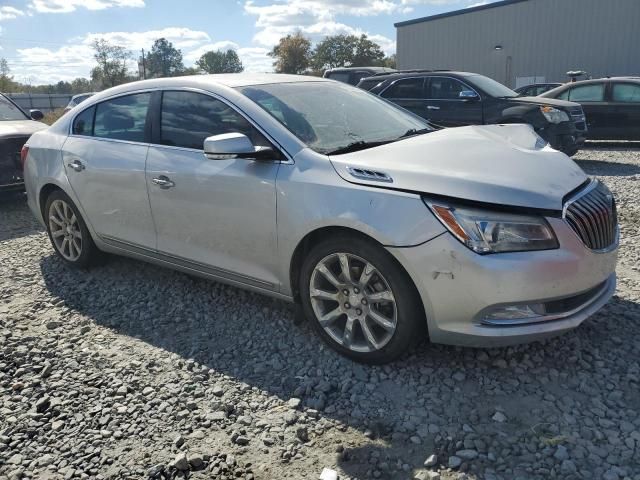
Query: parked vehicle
x: 453, y: 99
x: 611, y: 105
x: 483, y: 234
x: 77, y: 100
x: 15, y: 129
x: 352, y: 75
x: 536, y: 89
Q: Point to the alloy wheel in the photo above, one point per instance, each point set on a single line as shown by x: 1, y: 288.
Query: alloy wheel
x: 65, y: 230
x: 353, y: 302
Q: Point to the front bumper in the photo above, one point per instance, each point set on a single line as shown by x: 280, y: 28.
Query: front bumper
x: 458, y: 287
x: 564, y: 136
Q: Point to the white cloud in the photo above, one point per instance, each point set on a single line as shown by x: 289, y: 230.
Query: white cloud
x: 180, y: 37
x: 317, y: 18
x: 9, y: 13
x: 66, y: 6
x: 43, y: 65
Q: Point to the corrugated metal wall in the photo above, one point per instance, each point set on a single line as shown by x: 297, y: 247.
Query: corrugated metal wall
x: 539, y: 38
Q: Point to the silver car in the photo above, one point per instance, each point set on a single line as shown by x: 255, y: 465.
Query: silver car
x: 320, y: 193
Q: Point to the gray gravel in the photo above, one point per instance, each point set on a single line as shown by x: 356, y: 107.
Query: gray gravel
x: 132, y: 371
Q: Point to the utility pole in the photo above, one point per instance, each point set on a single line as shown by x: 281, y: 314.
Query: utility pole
x: 144, y: 68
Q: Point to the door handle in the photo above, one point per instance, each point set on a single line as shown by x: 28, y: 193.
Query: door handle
x: 76, y: 165
x: 163, y: 182
x: 432, y: 107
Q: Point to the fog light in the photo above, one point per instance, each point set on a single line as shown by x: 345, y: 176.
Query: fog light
x: 515, y: 312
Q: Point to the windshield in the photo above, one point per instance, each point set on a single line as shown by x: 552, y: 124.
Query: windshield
x: 330, y: 117
x: 8, y: 111
x: 490, y: 86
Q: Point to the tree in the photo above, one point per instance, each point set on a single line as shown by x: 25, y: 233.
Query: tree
x: 292, y: 54
x: 346, y: 51
x: 164, y: 60
x: 81, y: 85
x: 390, y: 61
x: 367, y: 53
x: 220, y: 62
x: 5, y: 79
x: 112, y: 64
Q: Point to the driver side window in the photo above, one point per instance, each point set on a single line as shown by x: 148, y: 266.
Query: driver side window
x: 188, y: 118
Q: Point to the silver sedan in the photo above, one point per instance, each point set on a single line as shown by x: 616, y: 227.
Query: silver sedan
x: 316, y: 192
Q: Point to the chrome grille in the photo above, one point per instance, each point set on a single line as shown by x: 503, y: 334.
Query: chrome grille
x: 592, y: 215
x: 577, y: 115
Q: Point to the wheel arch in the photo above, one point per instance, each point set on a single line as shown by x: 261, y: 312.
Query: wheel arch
x: 318, y: 235
x: 46, y: 190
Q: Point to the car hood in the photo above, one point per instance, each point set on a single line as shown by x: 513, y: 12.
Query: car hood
x: 10, y: 128
x: 546, y: 101
x: 498, y: 164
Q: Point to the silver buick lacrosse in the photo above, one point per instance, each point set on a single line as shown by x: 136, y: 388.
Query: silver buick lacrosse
x: 382, y: 229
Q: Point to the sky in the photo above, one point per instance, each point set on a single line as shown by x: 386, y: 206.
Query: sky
x: 45, y: 41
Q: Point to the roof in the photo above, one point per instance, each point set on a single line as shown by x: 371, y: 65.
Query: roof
x: 459, y: 12
x: 230, y: 80
x: 372, y: 69
x: 414, y: 73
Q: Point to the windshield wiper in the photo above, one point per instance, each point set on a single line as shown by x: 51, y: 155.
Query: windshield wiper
x: 415, y: 131
x: 356, y: 146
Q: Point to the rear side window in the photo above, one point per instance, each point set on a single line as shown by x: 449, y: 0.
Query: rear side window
x: 407, y: 88
x: 188, y: 118
x: 122, y: 118
x: 626, y: 93
x: 369, y: 83
x: 587, y: 93
x: 83, y: 123
x: 443, y: 88
x: 340, y: 76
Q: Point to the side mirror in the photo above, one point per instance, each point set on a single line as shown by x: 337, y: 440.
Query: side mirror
x: 468, y: 95
x: 36, y: 115
x: 234, y: 145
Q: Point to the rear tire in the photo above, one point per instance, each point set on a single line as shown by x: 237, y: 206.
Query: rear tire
x: 373, y: 314
x: 68, y: 232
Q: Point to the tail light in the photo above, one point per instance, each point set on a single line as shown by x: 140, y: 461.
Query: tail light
x: 23, y: 155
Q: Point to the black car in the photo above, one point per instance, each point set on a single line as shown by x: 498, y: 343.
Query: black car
x: 536, y: 89
x: 15, y: 129
x: 453, y: 99
x: 352, y: 75
x: 611, y: 105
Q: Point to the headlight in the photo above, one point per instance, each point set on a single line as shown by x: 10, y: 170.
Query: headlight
x: 553, y: 115
x: 485, y: 231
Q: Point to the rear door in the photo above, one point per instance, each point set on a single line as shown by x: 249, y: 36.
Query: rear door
x: 624, y: 116
x: 408, y: 93
x: 104, y: 159
x: 445, y: 107
x: 592, y: 97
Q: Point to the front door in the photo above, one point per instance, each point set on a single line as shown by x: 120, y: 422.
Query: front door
x: 444, y: 106
x: 409, y: 94
x: 624, y: 113
x: 217, y: 216
x: 105, y: 162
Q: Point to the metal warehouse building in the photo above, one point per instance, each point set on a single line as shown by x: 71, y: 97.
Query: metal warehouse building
x: 518, y: 42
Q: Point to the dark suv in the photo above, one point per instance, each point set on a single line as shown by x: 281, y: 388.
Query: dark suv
x: 453, y: 99
x: 352, y: 75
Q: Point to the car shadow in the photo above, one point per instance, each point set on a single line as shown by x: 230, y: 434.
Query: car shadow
x: 432, y: 401
x: 608, y: 169
x: 16, y: 219
x: 614, y: 145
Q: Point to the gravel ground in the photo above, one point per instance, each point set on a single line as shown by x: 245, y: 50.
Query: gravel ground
x: 133, y: 371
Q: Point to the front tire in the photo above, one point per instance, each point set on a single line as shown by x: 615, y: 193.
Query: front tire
x: 359, y: 300
x: 68, y: 232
